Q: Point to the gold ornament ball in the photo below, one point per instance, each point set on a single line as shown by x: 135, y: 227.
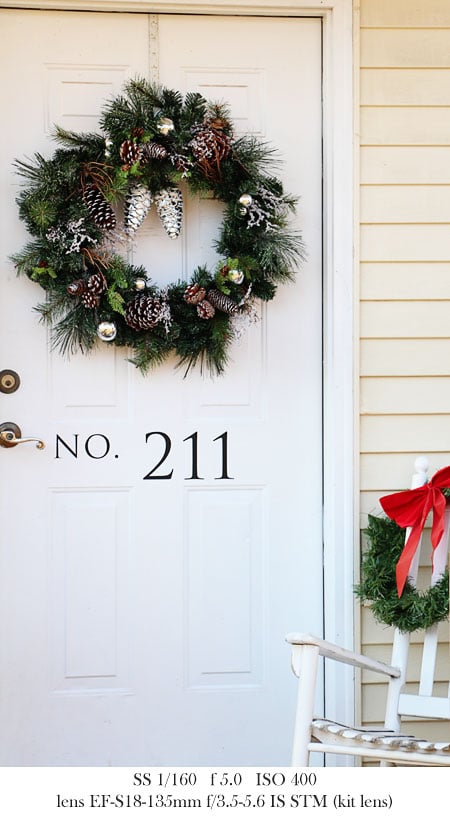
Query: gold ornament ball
x: 236, y: 276
x: 165, y: 125
x: 140, y: 284
x: 245, y: 200
x: 107, y: 330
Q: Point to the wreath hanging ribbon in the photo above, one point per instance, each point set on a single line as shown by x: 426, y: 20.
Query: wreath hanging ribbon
x: 410, y: 509
x: 155, y: 147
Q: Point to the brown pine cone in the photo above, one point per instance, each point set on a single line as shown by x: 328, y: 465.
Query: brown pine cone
x: 210, y: 143
x: 222, y: 301
x: 130, y: 152
x: 77, y: 287
x: 90, y: 300
x: 194, y: 294
x: 96, y: 283
x: 205, y: 310
x: 100, y: 210
x: 143, y: 312
x: 152, y: 150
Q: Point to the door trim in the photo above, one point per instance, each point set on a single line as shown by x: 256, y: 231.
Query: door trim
x: 339, y: 410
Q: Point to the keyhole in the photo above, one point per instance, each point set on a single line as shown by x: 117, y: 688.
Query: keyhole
x: 9, y: 381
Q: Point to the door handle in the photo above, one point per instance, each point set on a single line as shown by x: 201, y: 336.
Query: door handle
x: 11, y: 435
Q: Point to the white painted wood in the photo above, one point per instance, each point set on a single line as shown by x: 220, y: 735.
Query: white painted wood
x: 413, y: 758
x: 429, y: 703
x: 329, y: 650
x: 305, y: 664
x: 422, y: 707
x: 340, y: 55
x: 125, y: 686
x: 340, y: 386
x: 312, y: 7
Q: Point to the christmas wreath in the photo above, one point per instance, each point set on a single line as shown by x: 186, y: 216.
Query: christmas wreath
x: 153, y: 140
x: 413, y: 610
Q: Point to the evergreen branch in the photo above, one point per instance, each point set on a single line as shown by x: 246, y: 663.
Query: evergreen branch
x: 66, y: 205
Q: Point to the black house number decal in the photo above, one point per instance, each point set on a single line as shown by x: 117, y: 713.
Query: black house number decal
x: 98, y: 446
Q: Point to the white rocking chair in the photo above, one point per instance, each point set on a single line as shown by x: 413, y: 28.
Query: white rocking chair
x: 389, y: 746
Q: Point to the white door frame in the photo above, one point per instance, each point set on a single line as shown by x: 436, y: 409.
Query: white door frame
x: 339, y: 319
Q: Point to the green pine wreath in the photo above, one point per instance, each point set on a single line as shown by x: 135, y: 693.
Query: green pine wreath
x: 414, y: 610
x: 152, y: 141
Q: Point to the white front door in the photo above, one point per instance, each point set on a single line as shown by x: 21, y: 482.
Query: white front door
x: 143, y: 620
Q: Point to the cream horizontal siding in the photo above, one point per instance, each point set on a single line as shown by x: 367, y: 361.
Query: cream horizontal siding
x: 405, y: 164
x: 404, y: 276
x: 400, y: 280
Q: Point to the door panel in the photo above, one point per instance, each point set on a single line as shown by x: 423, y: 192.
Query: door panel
x: 145, y: 617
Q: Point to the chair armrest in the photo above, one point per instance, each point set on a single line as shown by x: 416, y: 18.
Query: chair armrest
x: 329, y: 650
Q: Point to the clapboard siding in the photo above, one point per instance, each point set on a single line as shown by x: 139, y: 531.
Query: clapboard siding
x: 400, y: 433
x: 410, y: 86
x: 405, y: 357
x: 407, y: 204
x: 398, y: 13
x: 390, y: 395
x: 405, y: 164
x: 404, y: 47
x: 405, y: 319
x: 384, y: 125
x: 402, y: 280
x: 404, y: 247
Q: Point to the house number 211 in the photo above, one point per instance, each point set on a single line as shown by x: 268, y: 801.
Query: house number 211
x: 98, y: 446
x: 156, y: 472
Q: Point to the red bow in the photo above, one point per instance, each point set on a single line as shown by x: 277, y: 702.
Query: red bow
x: 410, y: 510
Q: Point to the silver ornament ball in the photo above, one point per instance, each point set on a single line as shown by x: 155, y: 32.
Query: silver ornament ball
x: 108, y: 146
x: 107, y: 330
x: 140, y: 284
x: 236, y: 276
x: 246, y: 199
x: 165, y: 125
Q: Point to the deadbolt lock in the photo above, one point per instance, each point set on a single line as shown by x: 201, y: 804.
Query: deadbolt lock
x: 9, y: 381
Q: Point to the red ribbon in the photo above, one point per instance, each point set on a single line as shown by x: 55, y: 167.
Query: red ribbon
x: 410, y: 510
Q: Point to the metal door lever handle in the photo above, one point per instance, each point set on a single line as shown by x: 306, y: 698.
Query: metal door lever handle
x: 11, y: 435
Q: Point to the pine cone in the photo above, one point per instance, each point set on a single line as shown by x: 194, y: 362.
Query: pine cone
x: 130, y: 151
x: 77, y: 287
x: 182, y: 163
x: 137, y: 204
x: 90, y: 300
x: 194, y: 294
x: 210, y: 143
x: 152, y: 150
x: 169, y: 204
x: 101, y: 212
x: 143, y: 312
x: 205, y: 310
x: 222, y: 302
x: 96, y: 283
